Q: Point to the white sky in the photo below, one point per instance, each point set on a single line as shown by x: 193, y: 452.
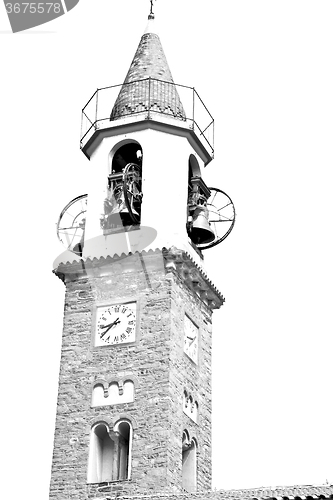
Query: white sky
x: 264, y: 70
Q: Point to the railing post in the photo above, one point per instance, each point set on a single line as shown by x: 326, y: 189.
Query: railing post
x: 193, y: 109
x: 82, y: 134
x: 213, y: 139
x: 96, y: 111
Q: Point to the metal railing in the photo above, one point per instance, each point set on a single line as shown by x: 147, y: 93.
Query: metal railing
x: 148, y: 99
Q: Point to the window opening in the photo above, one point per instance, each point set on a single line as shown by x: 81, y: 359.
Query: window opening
x: 122, y: 206
x: 189, y: 464
x: 110, y: 453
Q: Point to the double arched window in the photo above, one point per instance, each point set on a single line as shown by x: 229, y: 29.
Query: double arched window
x: 110, y: 452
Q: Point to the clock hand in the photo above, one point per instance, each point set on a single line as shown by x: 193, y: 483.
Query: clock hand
x: 117, y: 322
x: 109, y: 326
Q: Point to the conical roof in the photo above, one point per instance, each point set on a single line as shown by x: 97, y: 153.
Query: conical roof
x: 149, y: 84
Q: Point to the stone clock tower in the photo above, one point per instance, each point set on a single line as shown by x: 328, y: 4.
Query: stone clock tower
x: 134, y: 403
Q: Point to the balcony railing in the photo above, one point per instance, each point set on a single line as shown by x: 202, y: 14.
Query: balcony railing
x: 148, y: 99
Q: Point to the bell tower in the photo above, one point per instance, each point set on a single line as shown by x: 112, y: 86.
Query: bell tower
x: 134, y: 402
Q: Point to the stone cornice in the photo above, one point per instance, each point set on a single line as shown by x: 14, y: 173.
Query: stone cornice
x: 178, y: 261
x: 194, y: 276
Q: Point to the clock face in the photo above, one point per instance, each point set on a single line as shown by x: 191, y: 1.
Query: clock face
x: 115, y: 324
x: 191, y: 337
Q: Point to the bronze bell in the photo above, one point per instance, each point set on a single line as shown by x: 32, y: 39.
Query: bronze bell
x: 116, y: 211
x: 201, y: 232
x: 121, y: 216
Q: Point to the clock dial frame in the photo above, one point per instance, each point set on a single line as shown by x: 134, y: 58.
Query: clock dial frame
x: 191, y: 339
x: 115, y: 324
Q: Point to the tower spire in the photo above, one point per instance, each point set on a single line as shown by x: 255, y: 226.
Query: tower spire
x: 149, y: 85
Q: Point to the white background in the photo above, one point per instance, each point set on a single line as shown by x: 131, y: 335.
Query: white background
x: 264, y: 70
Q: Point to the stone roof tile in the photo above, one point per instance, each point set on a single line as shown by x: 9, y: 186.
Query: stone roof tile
x: 265, y: 493
x: 148, y: 85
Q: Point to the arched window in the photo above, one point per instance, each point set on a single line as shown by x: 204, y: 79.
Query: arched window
x: 122, y: 205
x: 124, y: 432
x: 129, y: 152
x: 193, y: 167
x: 110, y: 452
x: 190, y: 406
x: 189, y: 463
x: 198, y: 225
x: 101, y: 455
x: 98, y: 397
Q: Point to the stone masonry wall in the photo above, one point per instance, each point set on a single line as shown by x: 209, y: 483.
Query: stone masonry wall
x: 195, y: 379
x: 81, y: 364
x: 156, y: 361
